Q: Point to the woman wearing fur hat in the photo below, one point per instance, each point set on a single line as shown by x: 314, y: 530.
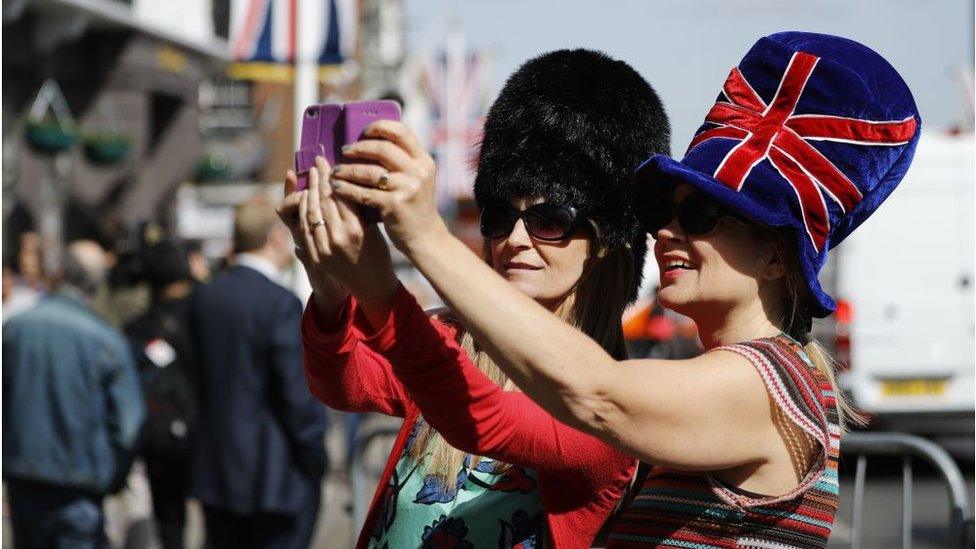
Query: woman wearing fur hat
x: 477, y: 463
x: 810, y: 134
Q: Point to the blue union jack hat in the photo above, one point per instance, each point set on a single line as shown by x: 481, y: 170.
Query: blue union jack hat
x: 811, y: 132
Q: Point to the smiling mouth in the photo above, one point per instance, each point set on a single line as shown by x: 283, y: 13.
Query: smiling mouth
x: 521, y: 267
x: 677, y: 265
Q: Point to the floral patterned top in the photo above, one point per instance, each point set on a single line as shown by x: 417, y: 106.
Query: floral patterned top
x: 414, y: 366
x: 489, y: 505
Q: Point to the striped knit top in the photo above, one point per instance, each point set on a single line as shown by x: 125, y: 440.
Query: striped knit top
x: 698, y: 511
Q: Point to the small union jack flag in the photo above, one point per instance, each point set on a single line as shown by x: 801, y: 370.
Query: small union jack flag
x: 773, y: 131
x: 266, y: 30
x: 455, y: 81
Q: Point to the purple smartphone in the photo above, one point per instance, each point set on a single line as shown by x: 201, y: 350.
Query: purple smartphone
x: 356, y: 116
x: 327, y: 127
x: 319, y: 131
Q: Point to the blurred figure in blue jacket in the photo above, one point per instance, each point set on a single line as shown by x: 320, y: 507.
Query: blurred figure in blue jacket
x: 260, y: 446
x: 72, y: 410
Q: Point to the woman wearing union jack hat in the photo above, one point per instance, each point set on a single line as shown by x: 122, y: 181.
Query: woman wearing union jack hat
x: 808, y: 137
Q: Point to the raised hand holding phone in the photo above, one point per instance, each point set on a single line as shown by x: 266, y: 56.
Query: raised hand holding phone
x: 401, y: 187
x: 340, y: 252
x: 328, y: 292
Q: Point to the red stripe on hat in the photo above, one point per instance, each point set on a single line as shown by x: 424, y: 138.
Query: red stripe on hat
x: 839, y: 128
x: 738, y: 90
x: 726, y: 132
x: 811, y: 201
x: 827, y: 174
x: 733, y: 115
x: 737, y: 165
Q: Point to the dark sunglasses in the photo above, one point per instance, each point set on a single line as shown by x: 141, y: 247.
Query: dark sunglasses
x: 697, y: 215
x: 542, y: 221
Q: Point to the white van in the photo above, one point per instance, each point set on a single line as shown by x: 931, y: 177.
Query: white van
x: 906, y: 323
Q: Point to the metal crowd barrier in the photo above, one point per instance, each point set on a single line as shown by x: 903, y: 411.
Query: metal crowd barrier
x: 909, y: 447
x: 361, y: 479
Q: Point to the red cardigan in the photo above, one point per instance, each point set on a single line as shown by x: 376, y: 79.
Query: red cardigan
x: 414, y: 365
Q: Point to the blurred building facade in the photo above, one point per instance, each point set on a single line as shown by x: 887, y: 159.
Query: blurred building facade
x: 100, y: 108
x: 118, y: 113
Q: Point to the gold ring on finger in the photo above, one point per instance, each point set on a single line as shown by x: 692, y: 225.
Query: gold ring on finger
x: 383, y: 181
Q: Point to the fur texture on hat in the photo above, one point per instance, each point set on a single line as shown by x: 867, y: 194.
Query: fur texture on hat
x: 571, y: 126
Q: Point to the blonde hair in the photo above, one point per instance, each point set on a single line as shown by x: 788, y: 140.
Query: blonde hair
x: 797, y: 322
x: 595, y: 306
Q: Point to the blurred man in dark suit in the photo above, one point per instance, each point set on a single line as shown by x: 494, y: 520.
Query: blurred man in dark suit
x: 259, y: 455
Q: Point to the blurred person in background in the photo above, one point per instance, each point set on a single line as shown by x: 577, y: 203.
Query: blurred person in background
x: 162, y: 345
x: 199, y: 265
x: 17, y: 297
x: 22, y: 247
x: 259, y: 455
x: 72, y: 410
x: 30, y: 261
x: 647, y: 329
x: 656, y: 332
x: 127, y: 295
x: 24, y: 280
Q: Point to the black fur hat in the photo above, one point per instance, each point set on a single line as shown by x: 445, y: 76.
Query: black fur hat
x: 571, y: 126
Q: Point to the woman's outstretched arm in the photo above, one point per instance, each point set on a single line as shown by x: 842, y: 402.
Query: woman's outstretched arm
x: 667, y: 412
x: 698, y: 414
x: 477, y: 416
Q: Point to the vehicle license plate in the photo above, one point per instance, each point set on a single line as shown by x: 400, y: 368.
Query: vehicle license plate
x: 913, y: 387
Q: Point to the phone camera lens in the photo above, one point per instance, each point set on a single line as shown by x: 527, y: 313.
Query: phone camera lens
x: 312, y: 112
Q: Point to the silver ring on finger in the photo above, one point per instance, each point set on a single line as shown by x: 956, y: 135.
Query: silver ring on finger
x: 383, y: 181
x: 316, y: 224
